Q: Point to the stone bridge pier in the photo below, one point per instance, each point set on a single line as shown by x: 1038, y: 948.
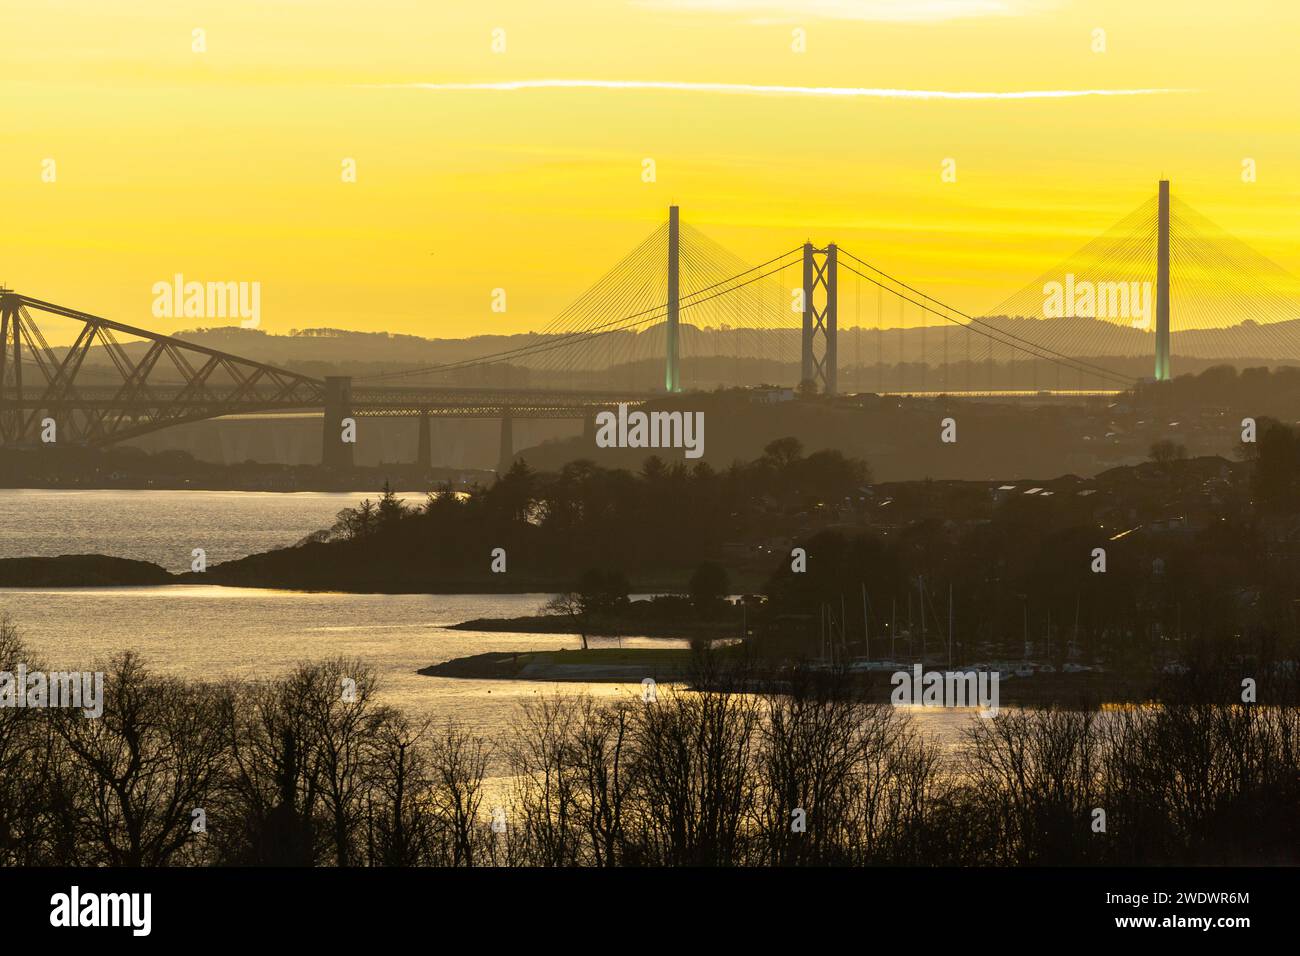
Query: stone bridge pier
x: 335, y: 452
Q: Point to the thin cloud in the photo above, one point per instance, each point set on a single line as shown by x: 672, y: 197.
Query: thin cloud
x: 874, y: 11
x: 751, y: 89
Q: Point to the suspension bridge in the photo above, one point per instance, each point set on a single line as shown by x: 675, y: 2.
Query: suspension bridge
x: 680, y: 312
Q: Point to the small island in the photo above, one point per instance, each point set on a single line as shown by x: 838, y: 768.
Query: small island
x: 594, y: 665
x: 81, y: 570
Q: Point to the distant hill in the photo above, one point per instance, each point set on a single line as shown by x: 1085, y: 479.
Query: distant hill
x: 735, y: 356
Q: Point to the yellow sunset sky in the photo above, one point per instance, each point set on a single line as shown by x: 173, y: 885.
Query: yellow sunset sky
x: 226, y: 164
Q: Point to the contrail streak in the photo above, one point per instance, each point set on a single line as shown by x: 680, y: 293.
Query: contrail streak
x: 750, y: 89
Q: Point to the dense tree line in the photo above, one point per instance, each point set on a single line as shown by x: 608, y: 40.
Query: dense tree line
x: 1250, y: 391
x: 1016, y: 571
x: 311, y: 770
x: 666, y: 518
x: 1223, y: 591
x: 1221, y: 587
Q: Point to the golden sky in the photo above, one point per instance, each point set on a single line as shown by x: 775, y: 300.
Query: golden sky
x: 225, y: 164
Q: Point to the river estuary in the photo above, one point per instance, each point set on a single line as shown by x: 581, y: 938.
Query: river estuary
x: 214, y: 632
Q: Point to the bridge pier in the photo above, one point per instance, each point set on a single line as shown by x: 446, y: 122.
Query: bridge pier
x: 335, y: 452
x: 424, y: 452
x: 507, y: 443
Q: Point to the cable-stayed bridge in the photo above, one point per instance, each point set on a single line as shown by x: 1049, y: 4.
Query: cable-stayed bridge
x: 680, y: 312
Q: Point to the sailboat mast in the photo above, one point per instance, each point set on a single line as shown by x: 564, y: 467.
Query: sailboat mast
x: 821, y: 632
x: 921, y: 585
x: 866, y: 622
x: 1076, y: 625
x: 1026, y: 630
x: 844, y: 637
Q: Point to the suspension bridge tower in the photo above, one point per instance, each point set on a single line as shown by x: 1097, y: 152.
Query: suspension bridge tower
x: 1162, y: 284
x: 820, y: 317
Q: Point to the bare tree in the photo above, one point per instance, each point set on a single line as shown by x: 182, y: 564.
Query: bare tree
x: 806, y: 762
x: 155, y: 755
x: 1035, y: 775
x: 544, y: 809
x: 458, y: 762
x: 695, y: 775
x: 571, y: 605
x: 600, y: 751
x: 31, y: 778
x: 400, y: 821
x: 337, y: 698
x: 273, y: 787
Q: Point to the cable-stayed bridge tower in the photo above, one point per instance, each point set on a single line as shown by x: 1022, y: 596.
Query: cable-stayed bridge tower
x: 1162, y: 284
x: 672, y: 372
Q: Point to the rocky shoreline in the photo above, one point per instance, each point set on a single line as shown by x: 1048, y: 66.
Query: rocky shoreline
x: 673, y: 665
x: 302, y: 568
x: 583, y: 666
x: 609, y: 627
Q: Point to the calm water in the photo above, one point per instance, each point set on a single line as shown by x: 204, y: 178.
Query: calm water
x: 208, y: 631
x: 214, y: 632
x: 163, y: 526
